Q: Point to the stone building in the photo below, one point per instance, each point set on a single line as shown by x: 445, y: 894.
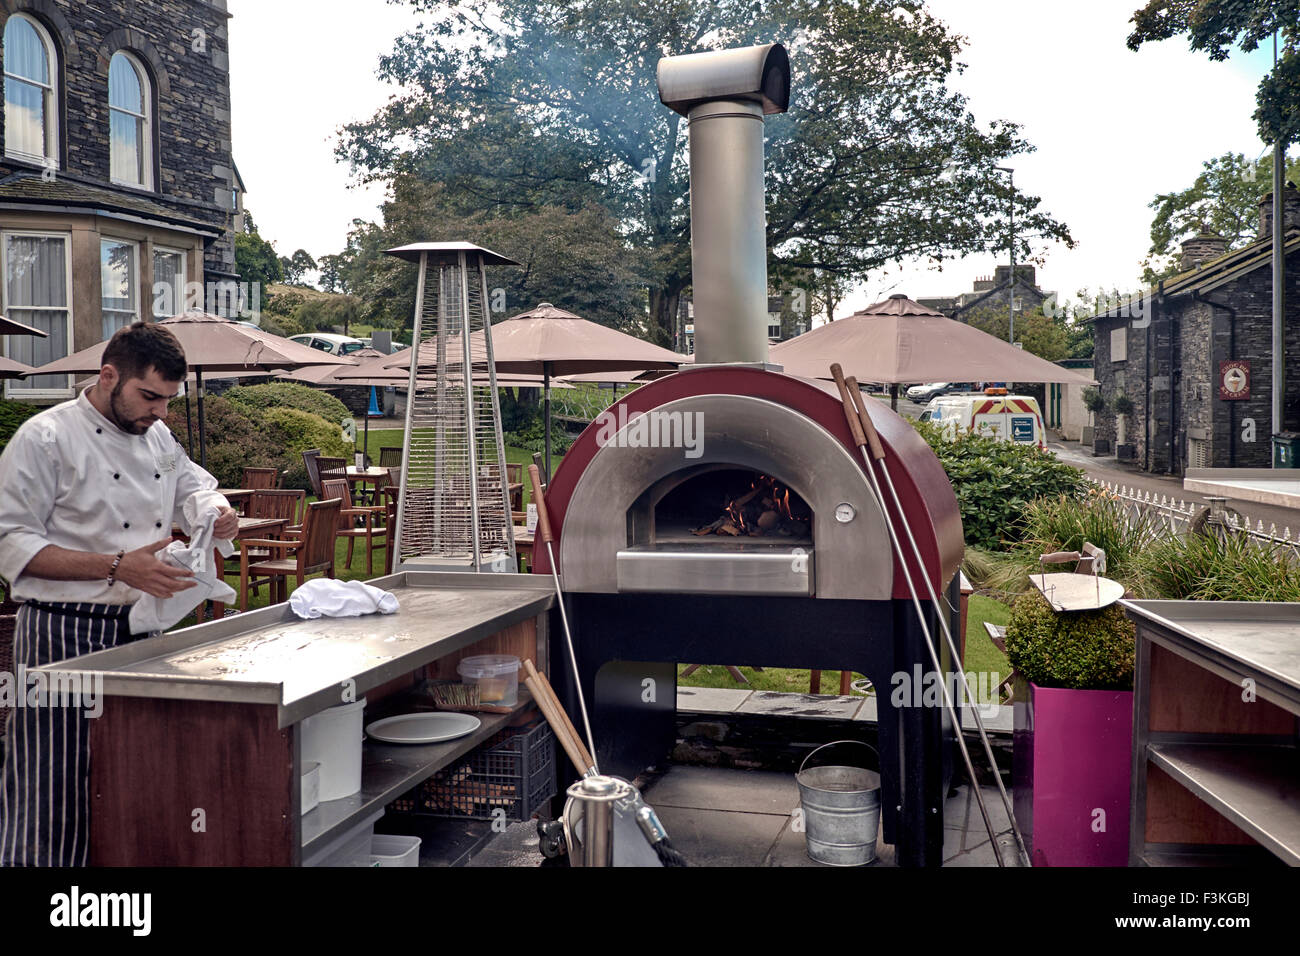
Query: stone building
x: 990, y: 292
x: 118, y: 192
x: 1169, y: 349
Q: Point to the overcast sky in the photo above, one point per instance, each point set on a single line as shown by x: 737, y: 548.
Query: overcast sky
x: 1112, y: 127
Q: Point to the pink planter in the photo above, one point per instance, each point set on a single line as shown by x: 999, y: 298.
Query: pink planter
x: 1073, y: 763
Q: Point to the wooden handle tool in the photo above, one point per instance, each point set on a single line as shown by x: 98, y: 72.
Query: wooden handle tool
x: 561, y: 714
x: 557, y: 726
x: 543, y: 519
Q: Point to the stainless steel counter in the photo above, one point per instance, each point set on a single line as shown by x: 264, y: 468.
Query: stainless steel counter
x: 271, y: 656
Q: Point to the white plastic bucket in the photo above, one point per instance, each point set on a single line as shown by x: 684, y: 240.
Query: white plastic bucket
x: 310, y: 786
x: 332, y: 738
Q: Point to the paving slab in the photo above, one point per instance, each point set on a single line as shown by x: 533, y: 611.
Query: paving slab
x: 868, y: 710
x: 791, y: 849
x: 962, y: 812
x: 711, y: 700
x: 997, y: 719
x: 823, y: 706
x: 717, y: 788
x: 722, y: 837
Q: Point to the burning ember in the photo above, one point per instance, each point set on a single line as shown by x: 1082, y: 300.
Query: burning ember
x: 768, y: 508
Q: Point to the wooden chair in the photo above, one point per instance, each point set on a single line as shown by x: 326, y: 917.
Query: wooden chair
x: 329, y: 469
x: 309, y: 462
x: 311, y: 550
x: 288, y: 504
x: 261, y: 478
x: 390, y: 456
x: 370, y: 515
x: 515, y: 475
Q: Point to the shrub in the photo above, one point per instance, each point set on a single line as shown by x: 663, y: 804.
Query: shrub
x: 293, y: 432
x: 1092, y: 399
x: 13, y: 414
x: 1065, y: 523
x: 290, y: 395
x: 235, y: 440
x: 532, y: 437
x: 1123, y: 404
x: 1082, y: 650
x: 995, y: 480
x: 1232, y: 568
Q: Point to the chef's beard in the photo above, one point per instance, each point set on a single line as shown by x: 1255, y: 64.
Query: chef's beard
x: 119, y: 414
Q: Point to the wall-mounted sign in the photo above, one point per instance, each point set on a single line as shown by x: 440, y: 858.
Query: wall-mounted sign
x: 1234, y: 380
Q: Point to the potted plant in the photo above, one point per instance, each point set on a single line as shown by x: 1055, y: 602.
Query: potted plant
x: 1123, y: 408
x: 1094, y: 403
x: 1073, y: 709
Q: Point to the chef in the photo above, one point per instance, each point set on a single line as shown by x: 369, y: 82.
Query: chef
x: 89, y: 491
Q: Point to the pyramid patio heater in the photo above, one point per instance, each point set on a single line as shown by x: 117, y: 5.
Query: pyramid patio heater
x: 453, y: 510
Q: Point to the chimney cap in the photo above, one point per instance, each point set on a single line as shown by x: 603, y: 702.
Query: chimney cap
x: 759, y: 74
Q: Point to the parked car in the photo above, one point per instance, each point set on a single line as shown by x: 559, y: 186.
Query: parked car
x: 925, y: 392
x: 329, y: 342
x: 993, y: 412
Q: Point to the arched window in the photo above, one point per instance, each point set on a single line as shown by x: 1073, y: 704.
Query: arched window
x: 131, y: 139
x: 31, y: 92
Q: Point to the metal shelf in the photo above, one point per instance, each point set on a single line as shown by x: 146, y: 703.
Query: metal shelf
x: 390, y: 770
x: 1257, y: 788
x: 1203, y: 855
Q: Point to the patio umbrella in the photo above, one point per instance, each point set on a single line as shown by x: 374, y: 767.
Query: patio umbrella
x: 549, y: 341
x: 11, y: 369
x: 211, y: 344
x: 10, y: 327
x: 898, y: 340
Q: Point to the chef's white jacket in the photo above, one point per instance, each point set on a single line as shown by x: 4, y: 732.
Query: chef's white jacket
x: 70, y: 477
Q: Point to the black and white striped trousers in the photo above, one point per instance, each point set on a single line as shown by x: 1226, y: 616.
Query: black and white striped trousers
x: 45, y: 797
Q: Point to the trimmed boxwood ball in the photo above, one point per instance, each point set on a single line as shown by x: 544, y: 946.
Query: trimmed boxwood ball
x: 1079, y: 650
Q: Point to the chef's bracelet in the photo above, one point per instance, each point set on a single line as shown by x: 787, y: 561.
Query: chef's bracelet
x: 112, y: 572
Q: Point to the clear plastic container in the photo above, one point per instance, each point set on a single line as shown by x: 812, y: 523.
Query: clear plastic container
x: 351, y: 848
x: 497, y: 676
x: 394, y: 850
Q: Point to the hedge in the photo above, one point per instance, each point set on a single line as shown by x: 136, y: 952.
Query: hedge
x: 289, y: 395
x: 13, y: 414
x: 239, y: 437
x: 294, y: 432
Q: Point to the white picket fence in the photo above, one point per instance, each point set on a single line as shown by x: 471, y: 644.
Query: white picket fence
x: 1175, y: 515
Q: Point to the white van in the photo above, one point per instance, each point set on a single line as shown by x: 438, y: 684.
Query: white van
x: 993, y: 412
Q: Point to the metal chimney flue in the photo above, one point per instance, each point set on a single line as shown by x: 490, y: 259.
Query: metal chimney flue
x: 724, y: 95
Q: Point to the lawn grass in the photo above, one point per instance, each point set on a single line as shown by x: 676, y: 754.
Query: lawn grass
x: 981, y: 657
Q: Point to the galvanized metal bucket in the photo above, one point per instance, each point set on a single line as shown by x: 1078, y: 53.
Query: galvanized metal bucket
x: 841, y: 810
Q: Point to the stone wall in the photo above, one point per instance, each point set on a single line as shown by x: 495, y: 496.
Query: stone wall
x: 183, y: 46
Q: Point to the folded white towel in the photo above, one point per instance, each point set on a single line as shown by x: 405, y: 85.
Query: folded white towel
x: 200, y: 511
x: 325, y: 597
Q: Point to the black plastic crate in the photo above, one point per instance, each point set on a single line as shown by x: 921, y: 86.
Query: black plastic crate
x: 513, y: 773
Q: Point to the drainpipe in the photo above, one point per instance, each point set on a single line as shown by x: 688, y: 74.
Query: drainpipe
x: 1173, y: 402
x: 1232, y: 354
x: 1146, y: 404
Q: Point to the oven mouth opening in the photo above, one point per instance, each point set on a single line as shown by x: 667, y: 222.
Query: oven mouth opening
x: 731, y: 508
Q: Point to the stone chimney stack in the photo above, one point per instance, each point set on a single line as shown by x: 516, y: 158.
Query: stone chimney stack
x: 1290, y: 211
x: 1204, y: 247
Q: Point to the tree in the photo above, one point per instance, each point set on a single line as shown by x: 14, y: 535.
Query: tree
x: 1040, y: 334
x: 297, y: 267
x: 577, y: 260
x: 256, y: 261
x: 518, y: 105
x: 1224, y: 199
x: 1214, y: 26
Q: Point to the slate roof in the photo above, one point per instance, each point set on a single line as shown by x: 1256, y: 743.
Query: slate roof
x: 28, y: 188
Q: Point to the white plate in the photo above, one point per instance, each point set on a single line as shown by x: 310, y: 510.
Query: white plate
x: 426, y: 728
